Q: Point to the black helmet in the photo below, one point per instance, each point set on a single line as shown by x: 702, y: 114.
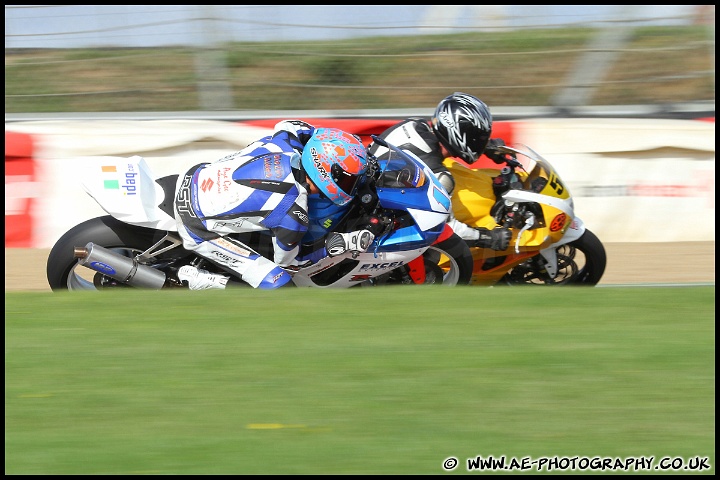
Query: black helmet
x: 463, y: 125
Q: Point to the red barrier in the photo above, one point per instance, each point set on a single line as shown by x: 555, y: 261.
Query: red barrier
x: 366, y: 127
x: 19, y: 182
x: 361, y: 127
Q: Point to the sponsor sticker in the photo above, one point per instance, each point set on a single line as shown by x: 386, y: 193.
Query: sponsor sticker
x: 380, y: 266
x: 125, y: 181
x: 103, y: 268
x: 558, y: 222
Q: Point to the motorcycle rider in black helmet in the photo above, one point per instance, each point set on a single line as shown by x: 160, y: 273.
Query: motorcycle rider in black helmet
x: 460, y: 127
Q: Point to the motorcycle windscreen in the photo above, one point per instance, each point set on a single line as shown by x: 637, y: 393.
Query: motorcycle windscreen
x: 400, y: 173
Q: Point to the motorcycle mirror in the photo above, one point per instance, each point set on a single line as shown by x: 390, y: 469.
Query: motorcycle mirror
x: 514, y: 163
x: 379, y: 141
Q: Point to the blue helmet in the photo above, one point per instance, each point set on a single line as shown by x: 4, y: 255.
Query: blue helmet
x: 335, y: 161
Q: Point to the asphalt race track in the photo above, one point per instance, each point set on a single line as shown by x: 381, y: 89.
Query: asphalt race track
x: 628, y: 264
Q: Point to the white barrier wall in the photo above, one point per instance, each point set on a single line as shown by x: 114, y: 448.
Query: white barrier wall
x: 64, y: 147
x: 633, y: 180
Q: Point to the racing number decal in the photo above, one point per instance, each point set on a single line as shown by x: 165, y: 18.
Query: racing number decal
x: 556, y: 184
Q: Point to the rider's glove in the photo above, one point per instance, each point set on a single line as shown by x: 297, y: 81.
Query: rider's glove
x: 496, y: 156
x: 497, y: 239
x: 339, y: 243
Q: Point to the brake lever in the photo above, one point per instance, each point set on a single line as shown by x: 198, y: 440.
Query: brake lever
x: 529, y: 222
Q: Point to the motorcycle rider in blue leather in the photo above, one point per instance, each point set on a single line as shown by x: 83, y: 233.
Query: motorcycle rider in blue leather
x: 263, y: 189
x: 460, y: 127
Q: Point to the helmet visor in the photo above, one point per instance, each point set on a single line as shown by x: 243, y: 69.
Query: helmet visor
x: 347, y: 182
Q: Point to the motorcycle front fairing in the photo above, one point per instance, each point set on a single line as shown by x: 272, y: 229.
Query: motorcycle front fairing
x: 406, y: 184
x: 409, y: 192
x: 557, y: 225
x: 418, y: 207
x: 540, y: 185
x: 349, y: 269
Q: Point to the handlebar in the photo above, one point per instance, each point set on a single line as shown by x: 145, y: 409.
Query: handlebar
x: 510, y: 154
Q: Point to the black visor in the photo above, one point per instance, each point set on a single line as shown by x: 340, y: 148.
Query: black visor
x: 346, y: 181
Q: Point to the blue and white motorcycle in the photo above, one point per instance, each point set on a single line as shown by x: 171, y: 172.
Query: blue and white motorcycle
x: 137, y: 244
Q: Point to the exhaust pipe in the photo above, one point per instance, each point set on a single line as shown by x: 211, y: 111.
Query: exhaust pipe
x: 121, y: 268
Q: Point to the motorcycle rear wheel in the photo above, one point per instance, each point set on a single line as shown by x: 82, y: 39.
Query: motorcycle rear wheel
x: 581, y: 262
x: 65, y: 273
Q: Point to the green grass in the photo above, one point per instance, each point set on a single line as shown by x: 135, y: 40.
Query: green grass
x: 364, y: 381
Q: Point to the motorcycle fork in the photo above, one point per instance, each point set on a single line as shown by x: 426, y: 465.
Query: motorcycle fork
x: 486, y: 271
x: 416, y: 269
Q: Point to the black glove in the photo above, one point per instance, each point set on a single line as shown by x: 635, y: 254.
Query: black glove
x: 497, y: 239
x: 496, y: 156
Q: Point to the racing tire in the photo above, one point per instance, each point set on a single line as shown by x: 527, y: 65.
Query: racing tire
x: 581, y: 262
x: 453, y: 257
x: 64, y: 272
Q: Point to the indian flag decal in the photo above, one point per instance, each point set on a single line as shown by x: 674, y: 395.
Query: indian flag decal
x: 110, y: 184
x: 111, y: 179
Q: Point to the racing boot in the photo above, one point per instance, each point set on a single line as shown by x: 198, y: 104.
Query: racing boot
x: 198, y: 279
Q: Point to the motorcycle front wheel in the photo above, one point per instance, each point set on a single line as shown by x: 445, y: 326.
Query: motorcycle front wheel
x: 449, y: 262
x: 580, y: 262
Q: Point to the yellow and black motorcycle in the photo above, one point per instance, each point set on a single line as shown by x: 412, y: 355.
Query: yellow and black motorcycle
x: 550, y: 244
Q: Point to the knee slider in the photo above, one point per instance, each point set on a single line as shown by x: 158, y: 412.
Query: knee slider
x: 275, y: 279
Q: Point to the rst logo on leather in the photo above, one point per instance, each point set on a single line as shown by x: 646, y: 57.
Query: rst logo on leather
x: 301, y: 215
x: 124, y: 180
x: 224, y: 258
x: 226, y: 224
x: 183, y: 200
